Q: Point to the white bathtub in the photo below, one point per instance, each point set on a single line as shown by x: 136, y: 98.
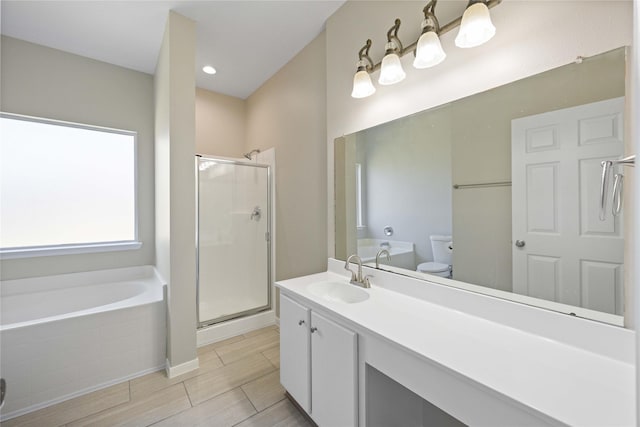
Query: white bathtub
x: 67, y: 335
x: 401, y: 253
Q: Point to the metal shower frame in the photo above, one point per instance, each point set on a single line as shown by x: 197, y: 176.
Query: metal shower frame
x: 268, y: 238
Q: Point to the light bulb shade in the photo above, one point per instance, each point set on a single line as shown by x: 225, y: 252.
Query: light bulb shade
x: 476, y: 27
x: 391, y: 71
x: 362, y: 86
x: 428, y: 51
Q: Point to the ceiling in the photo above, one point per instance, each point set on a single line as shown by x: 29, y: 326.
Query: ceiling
x: 246, y: 41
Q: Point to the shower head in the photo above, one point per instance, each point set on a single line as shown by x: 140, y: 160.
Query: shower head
x: 248, y: 155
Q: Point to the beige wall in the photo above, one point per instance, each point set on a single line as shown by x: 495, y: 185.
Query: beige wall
x: 563, y: 30
x: 44, y: 82
x: 174, y: 86
x: 288, y: 112
x: 220, y: 124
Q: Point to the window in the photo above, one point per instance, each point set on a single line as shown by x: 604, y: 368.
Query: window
x: 359, y: 213
x: 65, y: 188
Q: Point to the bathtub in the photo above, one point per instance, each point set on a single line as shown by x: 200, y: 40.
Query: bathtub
x: 67, y: 335
x: 402, y: 253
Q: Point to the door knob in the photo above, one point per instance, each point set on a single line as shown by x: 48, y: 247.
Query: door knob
x: 520, y: 243
x: 313, y: 329
x: 300, y: 322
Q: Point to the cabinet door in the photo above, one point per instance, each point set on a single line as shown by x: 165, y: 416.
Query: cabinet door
x: 334, y: 373
x: 295, y: 357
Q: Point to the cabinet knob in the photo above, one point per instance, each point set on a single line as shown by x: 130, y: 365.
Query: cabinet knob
x: 313, y: 329
x: 300, y: 322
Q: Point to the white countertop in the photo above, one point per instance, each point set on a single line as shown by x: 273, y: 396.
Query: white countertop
x: 567, y: 383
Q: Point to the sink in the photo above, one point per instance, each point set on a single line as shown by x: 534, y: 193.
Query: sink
x: 338, y: 291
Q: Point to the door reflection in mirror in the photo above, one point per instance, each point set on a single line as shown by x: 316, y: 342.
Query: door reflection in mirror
x: 409, y: 169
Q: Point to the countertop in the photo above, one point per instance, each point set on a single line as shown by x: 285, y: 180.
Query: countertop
x: 569, y: 384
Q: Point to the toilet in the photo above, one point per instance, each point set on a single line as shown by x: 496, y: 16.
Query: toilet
x: 442, y: 247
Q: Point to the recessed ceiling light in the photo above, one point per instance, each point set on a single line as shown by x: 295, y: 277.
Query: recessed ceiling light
x: 209, y: 69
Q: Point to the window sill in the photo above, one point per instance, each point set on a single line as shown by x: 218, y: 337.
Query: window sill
x: 41, y: 251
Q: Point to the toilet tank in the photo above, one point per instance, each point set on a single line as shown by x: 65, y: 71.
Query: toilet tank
x: 442, y: 247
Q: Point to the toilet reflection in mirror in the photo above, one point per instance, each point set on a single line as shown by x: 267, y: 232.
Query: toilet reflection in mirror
x: 442, y: 248
x: 520, y: 162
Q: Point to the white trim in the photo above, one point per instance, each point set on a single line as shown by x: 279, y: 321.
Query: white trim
x: 89, y: 247
x: 232, y: 328
x: 39, y: 251
x: 359, y: 205
x: 183, y: 368
x: 32, y: 408
x: 26, y: 118
x: 633, y: 300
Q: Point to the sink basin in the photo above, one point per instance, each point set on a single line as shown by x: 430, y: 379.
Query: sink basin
x: 338, y: 291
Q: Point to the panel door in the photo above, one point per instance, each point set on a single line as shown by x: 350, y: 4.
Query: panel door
x: 333, y: 373
x: 295, y: 355
x: 567, y: 254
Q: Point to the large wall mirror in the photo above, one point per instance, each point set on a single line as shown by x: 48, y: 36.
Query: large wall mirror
x: 498, y: 192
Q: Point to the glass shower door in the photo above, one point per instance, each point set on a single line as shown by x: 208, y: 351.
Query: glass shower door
x: 233, y: 228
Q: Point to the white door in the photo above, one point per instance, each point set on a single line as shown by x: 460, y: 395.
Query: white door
x: 562, y: 251
x: 295, y: 355
x: 333, y: 374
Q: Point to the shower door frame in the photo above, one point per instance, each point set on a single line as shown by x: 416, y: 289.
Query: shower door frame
x: 268, y: 239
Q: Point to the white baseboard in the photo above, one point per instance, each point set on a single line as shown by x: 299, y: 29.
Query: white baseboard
x: 183, y: 368
x: 235, y: 327
x: 278, y: 321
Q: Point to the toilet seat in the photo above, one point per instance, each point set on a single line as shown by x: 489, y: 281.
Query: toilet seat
x: 433, y: 267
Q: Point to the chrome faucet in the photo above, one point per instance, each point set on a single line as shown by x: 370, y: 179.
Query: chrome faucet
x: 357, y: 279
x: 382, y: 252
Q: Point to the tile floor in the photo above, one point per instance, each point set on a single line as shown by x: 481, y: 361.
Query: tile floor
x: 237, y: 384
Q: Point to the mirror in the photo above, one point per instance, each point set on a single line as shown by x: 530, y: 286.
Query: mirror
x: 498, y: 192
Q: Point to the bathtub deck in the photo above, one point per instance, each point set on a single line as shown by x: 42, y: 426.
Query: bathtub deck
x: 237, y: 384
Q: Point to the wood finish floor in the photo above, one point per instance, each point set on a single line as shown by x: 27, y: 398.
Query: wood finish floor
x: 237, y: 384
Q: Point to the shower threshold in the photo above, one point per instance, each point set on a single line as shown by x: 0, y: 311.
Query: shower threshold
x: 232, y: 314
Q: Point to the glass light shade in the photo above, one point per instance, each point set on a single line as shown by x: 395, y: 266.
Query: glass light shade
x: 391, y: 71
x: 429, y: 51
x: 476, y: 27
x: 362, y: 86
x: 209, y: 69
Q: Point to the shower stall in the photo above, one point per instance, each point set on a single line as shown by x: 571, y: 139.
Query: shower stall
x: 233, y: 233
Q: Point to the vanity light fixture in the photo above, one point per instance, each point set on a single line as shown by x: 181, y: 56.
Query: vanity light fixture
x: 429, y: 50
x: 391, y: 71
x: 362, y: 85
x: 476, y: 28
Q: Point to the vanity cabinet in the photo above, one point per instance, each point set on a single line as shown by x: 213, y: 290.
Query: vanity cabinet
x: 295, y: 351
x: 318, y: 364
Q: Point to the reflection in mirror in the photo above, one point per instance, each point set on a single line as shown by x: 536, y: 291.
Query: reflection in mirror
x: 498, y: 192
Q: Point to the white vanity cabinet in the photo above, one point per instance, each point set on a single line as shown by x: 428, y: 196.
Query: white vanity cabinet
x: 295, y: 351
x: 318, y: 364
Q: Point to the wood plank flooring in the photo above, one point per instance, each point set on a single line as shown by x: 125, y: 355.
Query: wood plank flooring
x: 237, y: 384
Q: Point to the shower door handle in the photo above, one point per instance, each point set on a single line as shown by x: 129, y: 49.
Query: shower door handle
x: 256, y: 214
